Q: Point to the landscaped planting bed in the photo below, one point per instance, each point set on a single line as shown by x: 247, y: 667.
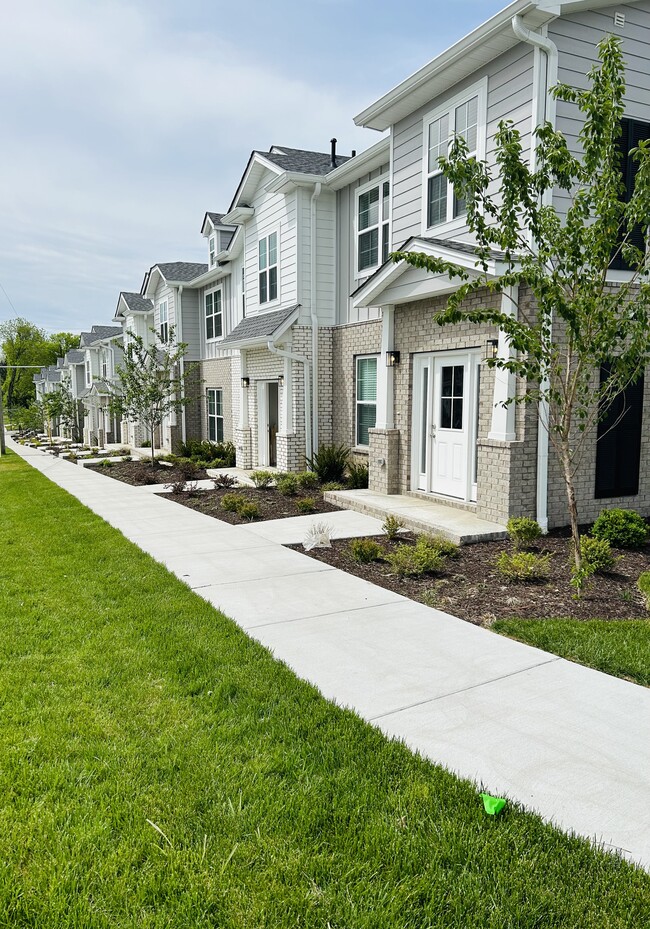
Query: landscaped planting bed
x: 141, y: 473
x: 269, y: 503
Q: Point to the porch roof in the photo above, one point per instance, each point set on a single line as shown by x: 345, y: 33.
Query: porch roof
x: 258, y: 329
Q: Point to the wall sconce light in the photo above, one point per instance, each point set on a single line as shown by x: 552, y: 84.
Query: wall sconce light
x: 280, y: 380
x: 392, y: 359
x: 491, y: 349
x: 246, y: 382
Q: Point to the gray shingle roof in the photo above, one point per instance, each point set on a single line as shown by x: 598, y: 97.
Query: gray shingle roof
x: 181, y: 270
x: 106, y: 332
x: 75, y: 357
x: 137, y: 303
x: 216, y: 217
x: 86, y: 338
x: 460, y: 246
x: 304, y: 162
x: 261, y: 327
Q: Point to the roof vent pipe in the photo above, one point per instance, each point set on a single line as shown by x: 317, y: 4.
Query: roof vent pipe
x: 333, y: 152
x: 354, y: 153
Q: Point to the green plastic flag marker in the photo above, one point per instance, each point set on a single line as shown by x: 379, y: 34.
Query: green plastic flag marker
x: 493, y: 805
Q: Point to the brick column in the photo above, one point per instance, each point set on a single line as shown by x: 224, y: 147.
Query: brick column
x: 244, y: 447
x: 383, y: 461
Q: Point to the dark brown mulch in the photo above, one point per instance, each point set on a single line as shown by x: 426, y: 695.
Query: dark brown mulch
x: 271, y: 503
x: 140, y: 473
x: 470, y: 586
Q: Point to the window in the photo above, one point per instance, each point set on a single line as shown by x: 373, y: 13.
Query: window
x: 215, y: 415
x: 104, y: 365
x: 366, y: 398
x: 618, y: 451
x: 632, y: 132
x: 268, y: 268
x: 464, y: 117
x: 163, y: 320
x: 213, y: 315
x: 212, y: 244
x: 89, y: 375
x: 373, y: 225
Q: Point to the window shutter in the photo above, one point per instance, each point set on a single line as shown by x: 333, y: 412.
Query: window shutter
x: 632, y: 132
x: 618, y: 452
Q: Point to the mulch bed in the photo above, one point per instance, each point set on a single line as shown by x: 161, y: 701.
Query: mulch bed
x: 271, y: 504
x: 471, y: 588
x: 140, y: 473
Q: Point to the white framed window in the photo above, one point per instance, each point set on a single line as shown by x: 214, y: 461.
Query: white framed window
x: 163, y: 321
x: 268, y: 268
x: 464, y: 115
x: 372, y: 226
x: 215, y: 414
x: 89, y: 372
x: 213, y: 315
x: 104, y: 364
x: 212, y: 246
x: 366, y: 397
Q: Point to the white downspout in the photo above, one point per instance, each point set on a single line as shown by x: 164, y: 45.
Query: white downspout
x: 314, y: 319
x: 547, y: 80
x: 283, y: 353
x: 179, y: 338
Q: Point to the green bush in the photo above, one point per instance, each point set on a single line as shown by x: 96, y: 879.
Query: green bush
x: 331, y: 485
x: 414, y: 560
x: 522, y: 530
x: 523, y: 566
x: 249, y: 511
x: 621, y: 528
x: 209, y: 452
x: 597, y: 555
x: 364, y: 551
x: 306, y: 505
x: 444, y: 546
x: 262, y: 479
x: 644, y: 587
x: 223, y: 481
x: 307, y: 480
x: 392, y: 527
x: 287, y: 485
x: 357, y: 476
x: 330, y: 463
x: 186, y: 467
x: 233, y: 502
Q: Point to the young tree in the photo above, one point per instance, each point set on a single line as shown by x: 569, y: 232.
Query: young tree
x: 59, y: 404
x: 580, y: 321
x: 150, y: 383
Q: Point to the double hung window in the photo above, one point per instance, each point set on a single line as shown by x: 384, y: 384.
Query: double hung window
x: 213, y: 315
x: 213, y: 250
x: 163, y: 321
x: 268, y: 267
x: 215, y: 414
x: 373, y: 226
x: 366, y: 397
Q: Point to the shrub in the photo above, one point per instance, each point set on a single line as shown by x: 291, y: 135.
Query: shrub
x: 319, y: 535
x: 597, y: 555
x: 186, y: 467
x: 522, y: 530
x: 330, y: 463
x: 209, y: 452
x: 306, y: 505
x: 307, y: 480
x: 146, y: 443
x: 392, y: 527
x: 357, y: 476
x: 249, y: 511
x: 224, y: 481
x: 233, y: 502
x: 177, y: 487
x: 644, y: 587
x: 262, y: 479
x: 331, y: 485
x: 414, y: 560
x: 523, y: 566
x: 106, y: 463
x: 287, y: 485
x: 621, y: 528
x: 365, y: 551
x: 444, y: 546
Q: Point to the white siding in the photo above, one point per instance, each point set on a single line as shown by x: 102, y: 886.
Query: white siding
x: 325, y: 207
x: 273, y: 212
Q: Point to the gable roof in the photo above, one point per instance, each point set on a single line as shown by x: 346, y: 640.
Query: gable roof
x: 106, y: 332
x: 136, y: 303
x: 301, y: 160
x: 255, y: 330
x: 182, y: 271
x: 215, y: 217
x: 74, y: 357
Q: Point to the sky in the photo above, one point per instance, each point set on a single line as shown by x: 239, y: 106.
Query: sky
x: 123, y: 122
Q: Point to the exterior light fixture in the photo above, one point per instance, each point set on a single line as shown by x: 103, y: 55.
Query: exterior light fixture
x: 246, y: 382
x: 392, y: 359
x: 491, y: 349
x: 280, y: 380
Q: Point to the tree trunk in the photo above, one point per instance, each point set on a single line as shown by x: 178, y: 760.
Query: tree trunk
x: 571, y: 501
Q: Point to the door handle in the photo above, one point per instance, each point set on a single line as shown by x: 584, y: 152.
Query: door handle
x: 432, y: 432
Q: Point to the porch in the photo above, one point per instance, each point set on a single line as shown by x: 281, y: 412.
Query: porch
x: 459, y: 526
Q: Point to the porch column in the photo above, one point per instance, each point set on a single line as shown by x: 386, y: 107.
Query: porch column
x: 243, y: 441
x: 386, y: 375
x: 503, y: 417
x: 287, y: 399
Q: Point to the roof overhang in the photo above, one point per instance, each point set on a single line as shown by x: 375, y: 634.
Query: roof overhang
x: 290, y: 180
x: 388, y: 284
x: 373, y: 158
x: 263, y: 339
x: 256, y: 166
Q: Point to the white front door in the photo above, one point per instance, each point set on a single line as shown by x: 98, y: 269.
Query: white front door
x: 445, y: 392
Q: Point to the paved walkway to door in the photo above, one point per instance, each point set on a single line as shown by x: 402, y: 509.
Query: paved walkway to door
x: 566, y: 741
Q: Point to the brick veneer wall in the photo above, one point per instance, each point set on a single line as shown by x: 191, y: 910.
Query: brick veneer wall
x: 217, y: 373
x: 348, y: 342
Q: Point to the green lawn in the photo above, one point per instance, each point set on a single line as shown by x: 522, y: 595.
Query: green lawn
x: 159, y: 769
x: 619, y: 647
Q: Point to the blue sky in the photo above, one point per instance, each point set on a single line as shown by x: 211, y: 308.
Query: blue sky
x: 123, y: 122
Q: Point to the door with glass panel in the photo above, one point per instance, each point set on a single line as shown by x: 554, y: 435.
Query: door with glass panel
x: 445, y: 390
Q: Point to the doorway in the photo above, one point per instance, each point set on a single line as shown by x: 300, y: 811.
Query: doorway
x: 268, y: 423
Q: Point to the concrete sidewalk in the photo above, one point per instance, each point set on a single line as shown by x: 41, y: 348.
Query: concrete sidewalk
x: 565, y: 741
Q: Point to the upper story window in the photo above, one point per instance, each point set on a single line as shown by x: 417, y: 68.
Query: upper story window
x: 89, y: 372
x: 464, y: 116
x: 163, y: 321
x: 268, y: 268
x: 373, y: 225
x: 212, y: 244
x: 104, y: 364
x: 213, y: 315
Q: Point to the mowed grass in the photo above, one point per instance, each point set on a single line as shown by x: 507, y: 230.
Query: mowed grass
x: 160, y: 769
x: 618, y: 647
